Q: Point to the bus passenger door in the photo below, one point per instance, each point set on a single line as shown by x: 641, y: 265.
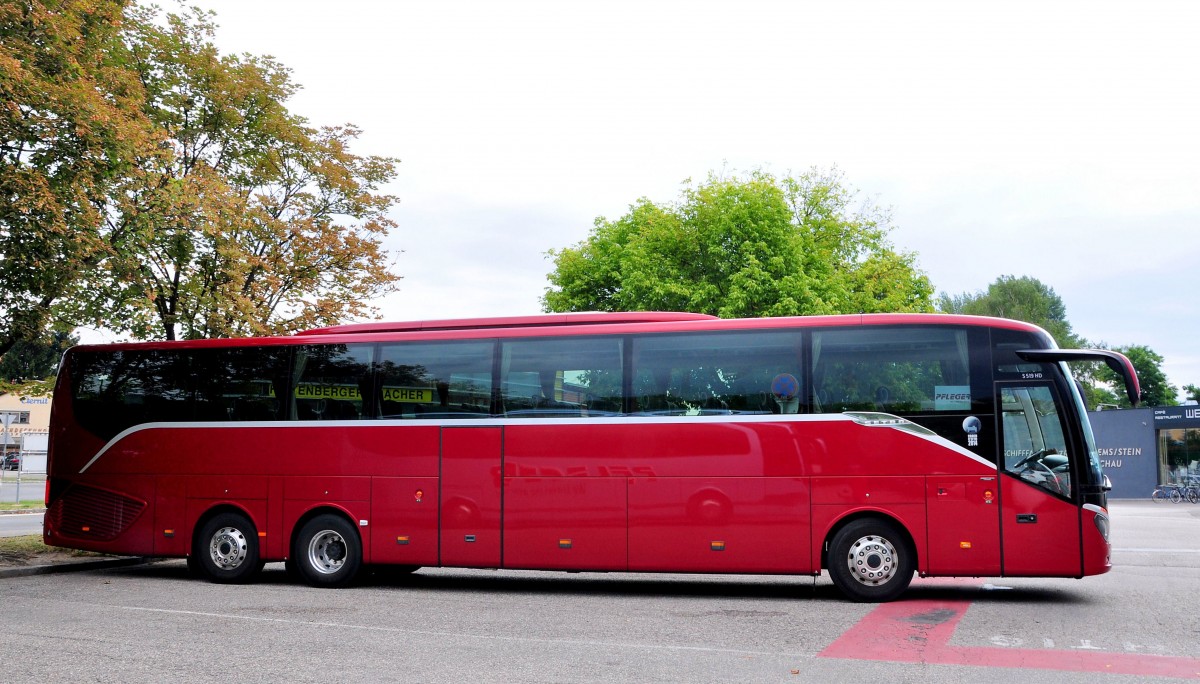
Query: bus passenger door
x: 470, y: 497
x: 1040, y: 520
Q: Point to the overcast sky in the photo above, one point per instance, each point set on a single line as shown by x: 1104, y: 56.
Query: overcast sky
x: 1051, y: 139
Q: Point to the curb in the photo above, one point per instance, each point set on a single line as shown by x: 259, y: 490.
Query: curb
x: 26, y: 571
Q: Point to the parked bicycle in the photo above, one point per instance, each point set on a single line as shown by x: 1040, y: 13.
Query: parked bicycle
x: 1190, y: 489
x: 1168, y: 491
x: 1176, y: 492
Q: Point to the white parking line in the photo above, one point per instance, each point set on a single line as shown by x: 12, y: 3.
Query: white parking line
x: 463, y: 635
x: 1156, y: 550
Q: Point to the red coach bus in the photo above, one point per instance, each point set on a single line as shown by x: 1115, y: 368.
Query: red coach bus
x: 871, y: 446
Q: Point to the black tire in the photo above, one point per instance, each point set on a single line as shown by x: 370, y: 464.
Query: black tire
x: 327, y: 552
x: 871, y: 560
x: 226, y: 549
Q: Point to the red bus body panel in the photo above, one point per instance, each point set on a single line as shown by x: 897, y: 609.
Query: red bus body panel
x: 728, y: 493
x: 607, y: 494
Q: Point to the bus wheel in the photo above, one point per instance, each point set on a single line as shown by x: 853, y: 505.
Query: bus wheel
x: 327, y: 551
x: 871, y: 560
x: 227, y: 549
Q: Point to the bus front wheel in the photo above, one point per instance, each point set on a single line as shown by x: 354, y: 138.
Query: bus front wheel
x: 226, y: 550
x: 871, y: 560
x: 327, y: 552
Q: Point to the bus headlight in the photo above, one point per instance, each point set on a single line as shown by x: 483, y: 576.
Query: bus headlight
x: 1102, y: 525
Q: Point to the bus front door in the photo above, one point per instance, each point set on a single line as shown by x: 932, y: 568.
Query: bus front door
x: 1040, y: 524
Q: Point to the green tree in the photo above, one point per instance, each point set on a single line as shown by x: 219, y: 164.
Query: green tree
x: 1023, y: 299
x: 1192, y: 393
x: 1029, y: 299
x: 71, y: 127
x: 1156, y: 391
x: 150, y: 185
x: 742, y: 247
x: 34, y: 360
x: 255, y: 223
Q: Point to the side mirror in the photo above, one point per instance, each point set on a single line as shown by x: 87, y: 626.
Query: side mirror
x: 1107, y: 486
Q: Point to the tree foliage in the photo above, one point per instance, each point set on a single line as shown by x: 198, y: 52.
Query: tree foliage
x: 742, y: 247
x: 34, y: 360
x: 224, y: 215
x: 1191, y: 393
x: 1156, y: 391
x: 1023, y: 299
x: 1030, y: 300
x: 71, y: 127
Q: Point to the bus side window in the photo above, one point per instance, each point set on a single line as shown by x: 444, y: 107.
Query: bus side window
x: 330, y: 381
x: 717, y: 373
x: 420, y: 380
x: 561, y: 377
x: 913, y: 370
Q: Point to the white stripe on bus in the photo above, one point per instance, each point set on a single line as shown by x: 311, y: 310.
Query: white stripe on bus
x: 503, y: 422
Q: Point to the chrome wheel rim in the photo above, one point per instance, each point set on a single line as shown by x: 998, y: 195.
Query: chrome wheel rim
x: 327, y: 552
x: 228, y: 548
x: 872, y: 560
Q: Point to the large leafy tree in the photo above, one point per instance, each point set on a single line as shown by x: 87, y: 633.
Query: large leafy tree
x: 175, y: 195
x: 1030, y: 300
x: 71, y: 127
x: 32, y: 360
x: 1020, y: 298
x: 742, y: 247
x: 255, y: 223
x: 1156, y: 390
x: 1191, y: 393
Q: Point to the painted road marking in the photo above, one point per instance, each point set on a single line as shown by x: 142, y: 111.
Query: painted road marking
x: 920, y: 631
x: 1156, y: 550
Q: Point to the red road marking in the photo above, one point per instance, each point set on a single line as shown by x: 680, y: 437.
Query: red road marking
x: 919, y: 632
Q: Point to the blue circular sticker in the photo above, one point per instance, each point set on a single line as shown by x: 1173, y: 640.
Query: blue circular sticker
x: 785, y: 386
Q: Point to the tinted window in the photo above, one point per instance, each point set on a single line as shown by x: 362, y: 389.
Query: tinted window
x: 893, y: 370
x: 561, y: 377
x: 435, y: 380
x: 243, y: 383
x: 716, y: 373
x: 331, y: 382
x: 116, y: 390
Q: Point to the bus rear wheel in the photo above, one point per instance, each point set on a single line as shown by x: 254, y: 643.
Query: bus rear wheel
x: 871, y: 560
x: 327, y: 552
x: 226, y: 550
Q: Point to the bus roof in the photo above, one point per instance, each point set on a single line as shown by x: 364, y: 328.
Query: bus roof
x: 577, y: 324
x: 539, y: 321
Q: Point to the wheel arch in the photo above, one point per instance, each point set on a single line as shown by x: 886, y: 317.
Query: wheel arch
x: 327, y: 509
x: 215, y: 510
x: 868, y: 514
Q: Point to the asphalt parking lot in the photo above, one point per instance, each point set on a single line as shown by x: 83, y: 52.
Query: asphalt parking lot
x: 154, y: 622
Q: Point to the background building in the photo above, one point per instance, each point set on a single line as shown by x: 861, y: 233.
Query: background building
x: 28, y: 419
x: 1141, y: 448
